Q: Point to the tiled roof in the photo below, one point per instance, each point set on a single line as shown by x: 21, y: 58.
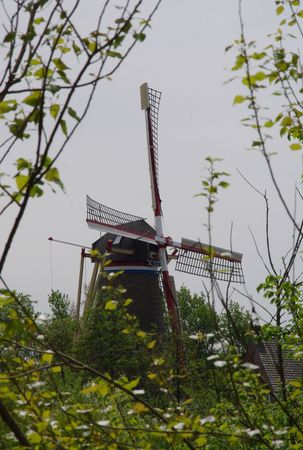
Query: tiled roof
x: 266, y: 356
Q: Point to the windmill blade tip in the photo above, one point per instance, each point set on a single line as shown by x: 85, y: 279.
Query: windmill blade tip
x: 144, y: 96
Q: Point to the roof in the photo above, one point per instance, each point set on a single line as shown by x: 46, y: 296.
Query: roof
x: 139, y: 226
x: 265, y: 354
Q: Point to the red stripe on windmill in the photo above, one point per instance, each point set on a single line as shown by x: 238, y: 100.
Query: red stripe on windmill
x: 141, y: 251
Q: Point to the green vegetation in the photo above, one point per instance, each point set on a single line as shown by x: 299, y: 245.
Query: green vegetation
x: 99, y: 383
x: 102, y: 383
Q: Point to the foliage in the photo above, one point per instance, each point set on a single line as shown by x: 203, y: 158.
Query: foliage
x: 110, y: 339
x: 60, y: 305
x: 61, y: 327
x: 68, y: 402
x: 11, y: 309
x: 59, y: 388
x: 212, y: 183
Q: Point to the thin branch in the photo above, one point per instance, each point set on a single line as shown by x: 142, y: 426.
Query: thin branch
x: 258, y: 251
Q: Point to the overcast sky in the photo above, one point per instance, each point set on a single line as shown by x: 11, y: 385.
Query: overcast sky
x: 183, y: 56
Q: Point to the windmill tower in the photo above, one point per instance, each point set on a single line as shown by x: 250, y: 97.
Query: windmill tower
x: 143, y: 252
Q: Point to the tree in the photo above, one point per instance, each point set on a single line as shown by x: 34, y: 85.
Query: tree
x: 110, y: 338
x: 60, y: 305
x: 62, y: 327
x: 272, y: 77
x: 9, y: 308
x: 52, y: 67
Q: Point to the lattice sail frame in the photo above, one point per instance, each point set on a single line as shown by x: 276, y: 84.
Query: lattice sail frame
x: 215, y: 267
x: 154, y: 105
x: 200, y: 259
x: 110, y: 220
x: 150, y: 103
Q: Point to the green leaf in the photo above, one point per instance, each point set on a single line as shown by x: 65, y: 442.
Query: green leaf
x: 102, y: 388
x: 60, y: 64
x: 90, y: 45
x: 141, y: 334
x: 47, y: 357
x: 286, y: 121
x: 239, y: 99
x: 30, y: 35
x: 132, y: 384
x: 46, y: 161
x: 34, y: 438
x: 260, y: 76
x: 77, y: 50
x: 126, y: 27
x: 279, y: 10
x: 127, y: 302
x: 113, y: 54
x: 36, y: 191
x: 258, y: 56
x: 139, y: 36
x: 63, y: 76
x: 223, y: 184
x: 40, y: 73
x: 39, y: 20
x: 240, y: 60
x: 118, y: 40
x: 35, y: 115
x: 151, y: 344
x: 73, y: 113
x: 54, y: 110
x: 10, y: 36
x: 7, y: 106
x: 53, y: 88
x: 53, y: 176
x: 34, y: 62
x: 33, y: 99
x: 21, y: 181
x: 22, y: 164
x: 111, y: 305
x: 201, y: 441
x: 295, y: 147
x: 140, y: 408
x: 63, y: 127
x: 268, y: 124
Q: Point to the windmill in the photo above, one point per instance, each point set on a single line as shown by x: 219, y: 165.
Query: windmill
x: 128, y: 236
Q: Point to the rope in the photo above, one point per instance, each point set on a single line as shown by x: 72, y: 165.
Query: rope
x: 51, y: 263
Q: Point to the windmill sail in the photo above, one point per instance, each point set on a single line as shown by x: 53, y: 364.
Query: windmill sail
x: 103, y: 218
x: 200, y: 259
x: 150, y: 103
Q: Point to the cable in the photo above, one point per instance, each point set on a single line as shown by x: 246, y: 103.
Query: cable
x: 51, y: 263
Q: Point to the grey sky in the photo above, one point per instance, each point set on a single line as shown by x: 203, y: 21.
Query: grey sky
x: 183, y: 56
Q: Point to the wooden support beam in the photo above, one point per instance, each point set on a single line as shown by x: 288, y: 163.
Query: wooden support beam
x: 78, y: 305
x: 89, y: 297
